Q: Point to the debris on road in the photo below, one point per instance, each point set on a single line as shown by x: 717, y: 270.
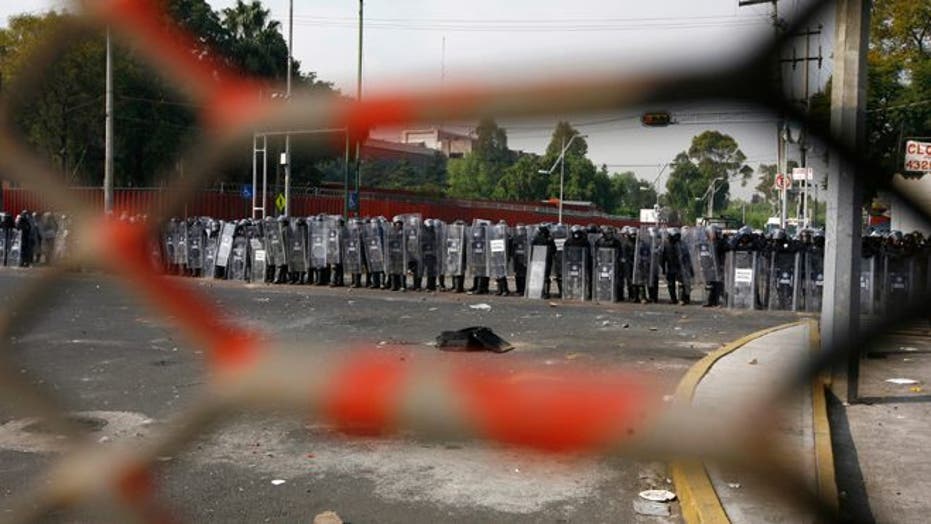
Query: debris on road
x: 554, y: 304
x: 328, y: 517
x: 658, y: 495
x: 278, y: 482
x: 753, y: 362
x: 651, y: 509
x: 901, y: 381
x: 473, y: 339
x: 733, y: 485
x: 480, y: 307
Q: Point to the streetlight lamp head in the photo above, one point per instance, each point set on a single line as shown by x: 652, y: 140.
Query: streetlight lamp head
x: 543, y: 172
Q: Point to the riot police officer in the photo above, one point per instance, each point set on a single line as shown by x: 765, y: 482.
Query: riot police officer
x: 543, y: 239
x: 677, y: 267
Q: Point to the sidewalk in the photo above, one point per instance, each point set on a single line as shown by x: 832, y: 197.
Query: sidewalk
x: 728, y: 380
x: 883, y: 442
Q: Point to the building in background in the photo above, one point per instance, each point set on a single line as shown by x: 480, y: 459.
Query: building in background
x: 452, y: 145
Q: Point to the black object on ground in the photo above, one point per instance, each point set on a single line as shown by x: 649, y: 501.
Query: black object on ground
x: 473, y: 339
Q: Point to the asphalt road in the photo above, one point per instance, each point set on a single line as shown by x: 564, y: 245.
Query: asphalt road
x: 125, y: 369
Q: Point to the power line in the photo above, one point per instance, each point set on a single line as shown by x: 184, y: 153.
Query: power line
x: 599, y: 26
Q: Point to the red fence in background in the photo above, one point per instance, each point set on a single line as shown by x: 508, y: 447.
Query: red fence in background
x: 229, y: 205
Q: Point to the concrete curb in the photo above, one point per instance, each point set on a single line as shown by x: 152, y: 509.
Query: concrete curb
x: 824, y: 450
x: 697, y: 498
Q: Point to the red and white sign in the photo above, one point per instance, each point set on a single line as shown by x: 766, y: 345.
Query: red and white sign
x: 782, y: 182
x: 918, y: 156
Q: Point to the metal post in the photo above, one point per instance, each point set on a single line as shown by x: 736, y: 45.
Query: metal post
x: 287, y: 137
x: 358, y: 99
x: 840, y: 315
x: 108, y: 134
x: 562, y: 176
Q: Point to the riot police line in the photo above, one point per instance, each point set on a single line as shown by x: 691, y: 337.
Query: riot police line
x: 742, y: 270
x: 28, y: 238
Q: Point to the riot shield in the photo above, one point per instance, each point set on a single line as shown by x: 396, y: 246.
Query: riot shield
x: 259, y: 259
x: 238, y: 258
x: 195, y: 245
x: 333, y: 228
x: 783, y: 280
x: 536, y: 271
x: 212, y: 244
x: 440, y: 227
x: 318, y: 243
x: 352, y: 247
x: 412, y: 231
x: 497, y: 237
x: 607, y: 273
x: 703, y: 252
x: 575, y: 277
x: 226, y: 244
x: 454, y: 249
x: 181, y: 233
x: 813, y: 279
x: 374, y: 247
x: 4, y: 242
x: 297, y: 242
x: 62, y: 239
x: 897, y: 281
x: 275, y: 252
x: 740, y: 280
x: 14, y: 257
x: 429, y: 249
x: 520, y: 241
x: 560, y: 234
x: 168, y: 242
x: 394, y: 239
x: 477, y: 256
x: 870, y: 272
x: 645, y: 261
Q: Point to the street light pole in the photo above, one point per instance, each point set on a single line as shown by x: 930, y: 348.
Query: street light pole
x: 562, y: 173
x: 287, y: 136
x: 108, y: 134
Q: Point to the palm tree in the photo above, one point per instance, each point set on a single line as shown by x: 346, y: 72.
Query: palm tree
x: 257, y: 45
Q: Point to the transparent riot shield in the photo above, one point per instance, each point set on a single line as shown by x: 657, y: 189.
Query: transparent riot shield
x: 645, y: 261
x: 62, y: 240
x: 813, y: 279
x: 374, y: 247
x: 454, y: 250
x: 560, y: 234
x: 352, y: 247
x: 318, y: 243
x: 181, y: 233
x: 275, y: 253
x: 575, y: 273
x: 784, y: 280
x: 897, y: 281
x: 225, y: 248
x: 440, y: 238
x: 195, y: 245
x: 606, y: 274
x: 4, y: 242
x: 239, y: 258
x: 394, y: 239
x: 869, y: 285
x: 333, y: 228
x: 537, y: 271
x: 429, y: 250
x: 740, y: 278
x: 705, y: 266
x: 14, y: 257
x: 520, y: 243
x: 211, y: 245
x: 497, y: 236
x: 168, y: 242
x: 413, y: 227
x: 297, y: 245
x: 259, y: 260
x: 477, y: 255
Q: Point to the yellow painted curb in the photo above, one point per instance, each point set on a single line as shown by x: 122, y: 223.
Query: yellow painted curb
x: 824, y: 451
x: 697, y: 497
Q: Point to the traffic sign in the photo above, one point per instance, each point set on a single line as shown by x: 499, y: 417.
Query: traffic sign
x: 918, y: 156
x: 803, y: 173
x: 354, y: 201
x: 280, y: 202
x: 247, y: 191
x: 782, y: 182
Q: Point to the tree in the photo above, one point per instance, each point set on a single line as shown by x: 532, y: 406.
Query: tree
x: 631, y: 194
x: 478, y: 173
x: 712, y: 157
x: 522, y: 180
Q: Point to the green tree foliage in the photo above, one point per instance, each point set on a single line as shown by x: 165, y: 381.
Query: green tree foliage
x: 522, y: 181
x: 899, y: 93
x: 712, y: 155
x: 63, y: 116
x: 631, y: 194
x: 477, y: 174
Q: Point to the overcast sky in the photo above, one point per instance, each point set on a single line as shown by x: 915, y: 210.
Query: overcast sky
x: 517, y: 40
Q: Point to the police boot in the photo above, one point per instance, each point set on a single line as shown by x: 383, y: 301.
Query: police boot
x: 431, y: 283
x: 503, y: 287
x: 441, y: 279
x: 483, y: 284
x: 546, y: 290
x: 559, y: 288
x: 671, y: 287
x: 417, y: 280
x: 520, y: 283
x: 340, y: 276
x: 685, y: 299
x: 474, y: 288
x: 710, y: 292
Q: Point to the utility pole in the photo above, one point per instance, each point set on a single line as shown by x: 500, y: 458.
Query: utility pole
x: 840, y: 313
x: 287, y: 136
x: 359, y: 141
x: 562, y: 176
x: 108, y: 133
